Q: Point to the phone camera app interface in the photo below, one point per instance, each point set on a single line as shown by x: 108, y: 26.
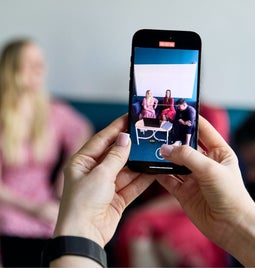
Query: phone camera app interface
x: 164, y: 100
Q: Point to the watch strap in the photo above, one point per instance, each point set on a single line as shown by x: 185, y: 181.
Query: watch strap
x: 73, y: 245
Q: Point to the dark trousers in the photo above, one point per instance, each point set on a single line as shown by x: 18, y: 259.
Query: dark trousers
x: 21, y: 252
x: 180, y: 131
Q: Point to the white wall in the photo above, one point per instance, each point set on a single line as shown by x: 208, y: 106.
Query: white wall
x: 87, y: 43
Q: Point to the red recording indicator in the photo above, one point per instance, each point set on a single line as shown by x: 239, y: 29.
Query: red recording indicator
x: 166, y: 44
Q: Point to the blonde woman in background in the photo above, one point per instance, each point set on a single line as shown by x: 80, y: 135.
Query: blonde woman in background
x: 34, y: 132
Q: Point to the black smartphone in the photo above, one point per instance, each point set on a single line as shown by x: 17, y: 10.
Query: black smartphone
x: 163, y: 96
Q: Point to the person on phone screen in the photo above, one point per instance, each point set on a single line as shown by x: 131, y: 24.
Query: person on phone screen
x: 149, y: 105
x: 98, y: 187
x: 168, y: 112
x: 37, y: 134
x: 184, y: 123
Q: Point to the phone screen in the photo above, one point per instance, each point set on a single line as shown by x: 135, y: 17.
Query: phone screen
x: 164, y: 97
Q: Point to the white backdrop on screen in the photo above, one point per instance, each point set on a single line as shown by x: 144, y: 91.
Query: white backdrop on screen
x: 158, y: 78
x: 88, y: 43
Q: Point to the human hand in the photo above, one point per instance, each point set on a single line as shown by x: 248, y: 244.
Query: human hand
x: 48, y: 212
x: 181, y: 121
x: 188, y: 123
x: 213, y: 195
x: 97, y: 188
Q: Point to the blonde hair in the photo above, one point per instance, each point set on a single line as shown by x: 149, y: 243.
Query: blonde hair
x: 13, y: 94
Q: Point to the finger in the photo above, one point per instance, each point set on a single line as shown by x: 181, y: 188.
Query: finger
x: 96, y: 148
x: 187, y: 156
x: 209, y: 136
x: 170, y: 182
x: 216, y: 146
x: 116, y: 157
x: 125, y: 177
x: 132, y: 190
x: 103, y: 139
x: 201, y: 150
x: 194, y: 160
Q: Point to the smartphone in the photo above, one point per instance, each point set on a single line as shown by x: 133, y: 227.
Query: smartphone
x: 163, y: 97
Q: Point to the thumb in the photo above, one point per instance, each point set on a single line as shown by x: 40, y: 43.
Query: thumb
x: 186, y: 156
x: 117, y: 156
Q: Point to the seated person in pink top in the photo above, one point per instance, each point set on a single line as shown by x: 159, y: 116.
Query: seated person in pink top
x: 34, y: 131
x: 149, y: 105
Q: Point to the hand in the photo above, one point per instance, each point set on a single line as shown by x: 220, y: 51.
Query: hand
x: 48, y: 212
x: 188, y: 123
x: 97, y: 188
x: 181, y: 121
x: 213, y: 195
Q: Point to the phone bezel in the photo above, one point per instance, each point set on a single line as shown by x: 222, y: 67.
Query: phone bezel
x: 150, y: 38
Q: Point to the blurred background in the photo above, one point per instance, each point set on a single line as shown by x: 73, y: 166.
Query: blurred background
x: 87, y: 43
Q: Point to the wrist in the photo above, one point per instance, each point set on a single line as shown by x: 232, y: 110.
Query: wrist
x: 242, y: 240
x: 82, y: 229
x: 62, y: 250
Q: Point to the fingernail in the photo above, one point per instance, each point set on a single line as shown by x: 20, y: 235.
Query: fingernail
x: 166, y: 149
x: 123, y: 139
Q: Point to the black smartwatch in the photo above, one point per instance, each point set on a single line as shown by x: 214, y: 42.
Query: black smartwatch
x: 73, y: 245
